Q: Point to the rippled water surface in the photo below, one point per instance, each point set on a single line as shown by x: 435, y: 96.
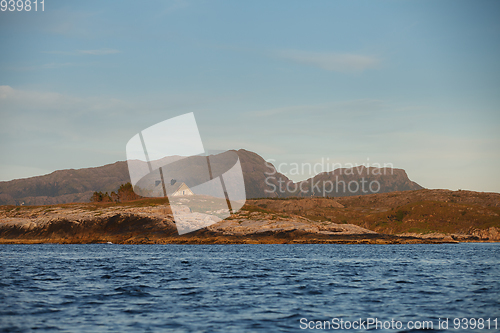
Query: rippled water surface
x: 242, y: 288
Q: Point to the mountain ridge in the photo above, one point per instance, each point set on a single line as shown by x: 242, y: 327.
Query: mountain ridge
x: 77, y: 185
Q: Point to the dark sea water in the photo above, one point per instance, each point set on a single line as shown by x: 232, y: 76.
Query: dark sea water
x: 245, y: 288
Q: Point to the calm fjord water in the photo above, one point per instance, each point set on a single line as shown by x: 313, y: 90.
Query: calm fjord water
x: 241, y: 288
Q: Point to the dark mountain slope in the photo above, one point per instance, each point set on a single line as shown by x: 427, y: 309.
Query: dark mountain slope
x: 64, y: 186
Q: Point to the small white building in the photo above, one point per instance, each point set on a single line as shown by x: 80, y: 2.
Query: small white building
x: 182, y: 189
x: 176, y: 189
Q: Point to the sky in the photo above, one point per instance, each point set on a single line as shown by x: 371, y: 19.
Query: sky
x: 413, y: 84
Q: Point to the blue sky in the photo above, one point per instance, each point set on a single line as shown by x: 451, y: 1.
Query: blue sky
x: 412, y: 83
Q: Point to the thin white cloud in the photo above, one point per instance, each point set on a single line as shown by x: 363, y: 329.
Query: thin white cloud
x: 171, y: 7
x: 51, y: 112
x: 43, y: 111
x: 338, y: 62
x: 34, y: 99
x: 52, y: 65
x: 104, y: 51
x: 71, y: 23
x: 288, y: 110
x: 351, y: 108
x: 98, y: 52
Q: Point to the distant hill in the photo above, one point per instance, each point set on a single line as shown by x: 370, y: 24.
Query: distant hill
x: 65, y: 186
x: 356, y: 181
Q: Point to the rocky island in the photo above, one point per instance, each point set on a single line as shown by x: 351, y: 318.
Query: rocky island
x: 420, y: 216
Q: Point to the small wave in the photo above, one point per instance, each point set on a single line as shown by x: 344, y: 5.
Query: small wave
x: 137, y: 291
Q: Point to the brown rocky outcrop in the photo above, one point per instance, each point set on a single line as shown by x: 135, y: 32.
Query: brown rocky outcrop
x: 491, y: 234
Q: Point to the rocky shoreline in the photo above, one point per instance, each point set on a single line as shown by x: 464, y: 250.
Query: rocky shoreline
x: 146, y: 222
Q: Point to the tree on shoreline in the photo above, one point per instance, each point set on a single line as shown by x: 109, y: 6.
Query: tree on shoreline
x: 101, y: 197
x: 124, y: 193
